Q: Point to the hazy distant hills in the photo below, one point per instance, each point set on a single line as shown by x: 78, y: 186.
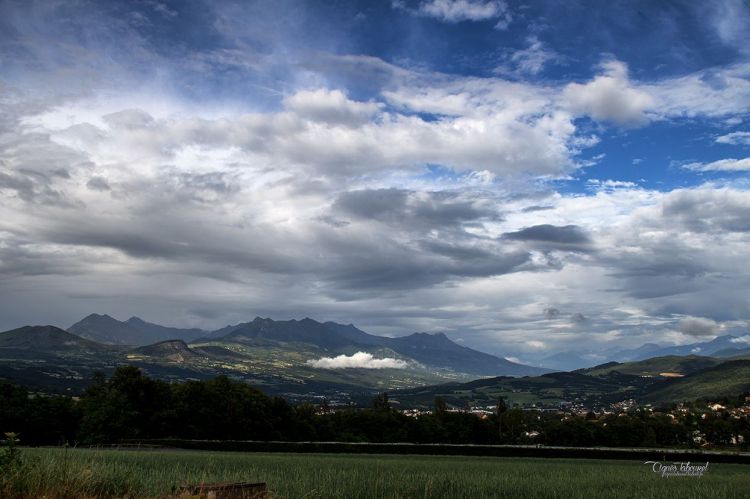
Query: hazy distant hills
x: 722, y: 346
x: 659, y: 381
x: 434, y: 350
x: 711, y: 347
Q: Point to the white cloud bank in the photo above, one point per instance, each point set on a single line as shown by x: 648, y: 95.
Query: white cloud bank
x: 359, y: 360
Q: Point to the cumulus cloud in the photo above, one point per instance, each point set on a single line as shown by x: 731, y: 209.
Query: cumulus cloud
x: 359, y: 360
x: 610, y: 97
x: 710, y: 93
x: 453, y: 11
x: 735, y: 139
x: 324, y: 132
x: 698, y: 326
x: 726, y: 165
x: 330, y: 106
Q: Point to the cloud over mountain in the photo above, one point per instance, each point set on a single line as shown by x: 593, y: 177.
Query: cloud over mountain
x: 359, y: 360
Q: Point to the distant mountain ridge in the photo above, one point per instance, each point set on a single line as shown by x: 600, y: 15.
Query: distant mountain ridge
x: 134, y: 331
x: 726, y: 342
x: 721, y: 346
x: 292, y: 331
x: 48, y: 357
x: 435, y: 350
x: 430, y: 349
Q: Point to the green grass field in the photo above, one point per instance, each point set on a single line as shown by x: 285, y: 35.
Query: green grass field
x: 79, y: 473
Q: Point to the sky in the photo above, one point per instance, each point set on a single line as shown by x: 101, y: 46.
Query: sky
x: 528, y: 177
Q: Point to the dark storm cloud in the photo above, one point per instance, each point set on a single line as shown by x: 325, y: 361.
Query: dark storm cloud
x: 423, y: 210
x: 684, y: 265
x: 708, y: 211
x: 531, y: 209
x: 36, y: 169
x: 457, y: 251
x: 191, y: 247
x: 380, y: 204
x: 421, y: 240
x: 134, y: 242
x: 33, y: 188
x: 568, y: 234
x: 405, y: 269
x: 23, y: 186
x: 661, y: 267
x: 551, y: 237
x: 22, y: 256
x: 400, y: 258
x: 698, y: 326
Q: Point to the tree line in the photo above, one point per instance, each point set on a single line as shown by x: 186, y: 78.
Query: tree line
x: 132, y: 406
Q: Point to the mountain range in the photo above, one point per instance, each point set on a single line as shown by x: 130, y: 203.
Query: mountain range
x: 433, y: 350
x: 304, y: 360
x: 297, y: 359
x: 721, y: 346
x: 134, y: 331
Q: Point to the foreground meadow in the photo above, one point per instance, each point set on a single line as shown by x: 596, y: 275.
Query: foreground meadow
x: 74, y: 473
